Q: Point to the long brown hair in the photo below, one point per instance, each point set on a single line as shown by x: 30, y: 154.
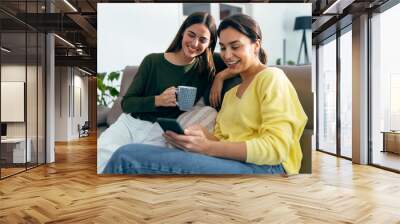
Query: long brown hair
x: 247, y: 26
x: 206, y: 63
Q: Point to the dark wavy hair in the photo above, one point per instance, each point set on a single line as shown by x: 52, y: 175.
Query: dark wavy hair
x: 247, y: 26
x: 206, y: 63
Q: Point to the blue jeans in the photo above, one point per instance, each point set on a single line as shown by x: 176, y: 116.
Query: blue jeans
x: 149, y: 159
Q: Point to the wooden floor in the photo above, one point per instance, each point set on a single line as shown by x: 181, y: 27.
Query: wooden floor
x: 70, y: 191
x: 387, y: 159
x: 10, y: 171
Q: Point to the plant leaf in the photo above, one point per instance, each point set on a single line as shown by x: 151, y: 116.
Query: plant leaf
x: 100, y: 76
x: 113, y: 91
x: 101, y: 86
x: 113, y: 76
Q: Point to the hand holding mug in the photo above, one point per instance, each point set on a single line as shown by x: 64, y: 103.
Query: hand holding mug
x: 166, y: 98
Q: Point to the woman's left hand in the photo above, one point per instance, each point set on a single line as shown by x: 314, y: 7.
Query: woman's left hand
x: 194, y: 140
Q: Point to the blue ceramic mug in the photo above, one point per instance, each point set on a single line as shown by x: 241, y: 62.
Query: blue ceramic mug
x: 186, y: 96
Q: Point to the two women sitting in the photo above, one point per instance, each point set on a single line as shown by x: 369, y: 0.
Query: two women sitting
x: 257, y: 129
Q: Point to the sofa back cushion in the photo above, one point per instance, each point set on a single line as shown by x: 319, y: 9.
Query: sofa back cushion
x: 128, y: 74
x: 300, y: 76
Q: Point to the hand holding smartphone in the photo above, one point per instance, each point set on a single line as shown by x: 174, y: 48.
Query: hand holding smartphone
x: 168, y: 124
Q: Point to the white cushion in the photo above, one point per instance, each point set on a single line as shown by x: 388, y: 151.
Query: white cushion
x: 205, y: 116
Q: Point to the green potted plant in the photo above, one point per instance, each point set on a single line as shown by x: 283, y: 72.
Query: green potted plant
x: 290, y: 62
x: 279, y: 62
x: 107, y: 89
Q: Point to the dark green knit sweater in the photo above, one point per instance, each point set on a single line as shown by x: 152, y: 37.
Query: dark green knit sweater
x: 155, y: 74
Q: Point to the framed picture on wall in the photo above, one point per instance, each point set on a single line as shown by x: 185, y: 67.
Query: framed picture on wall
x: 12, y: 101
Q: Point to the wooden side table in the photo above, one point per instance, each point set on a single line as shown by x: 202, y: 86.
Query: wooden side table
x: 391, y: 141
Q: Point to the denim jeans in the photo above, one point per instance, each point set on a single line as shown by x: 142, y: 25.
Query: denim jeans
x: 150, y: 159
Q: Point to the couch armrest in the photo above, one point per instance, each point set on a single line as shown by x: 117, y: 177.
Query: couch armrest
x: 102, y: 113
x: 306, y: 148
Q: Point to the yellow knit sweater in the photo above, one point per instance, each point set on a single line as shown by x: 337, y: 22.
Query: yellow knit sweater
x: 268, y: 117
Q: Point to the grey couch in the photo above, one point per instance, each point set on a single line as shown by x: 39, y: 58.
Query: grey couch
x: 300, y: 76
x: 107, y: 116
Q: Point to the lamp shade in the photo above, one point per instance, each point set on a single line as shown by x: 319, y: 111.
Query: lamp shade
x: 302, y: 22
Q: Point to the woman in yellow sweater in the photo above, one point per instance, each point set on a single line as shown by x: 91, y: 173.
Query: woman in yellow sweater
x: 257, y: 129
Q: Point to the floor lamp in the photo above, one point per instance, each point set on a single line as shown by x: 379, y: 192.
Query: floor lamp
x: 303, y: 23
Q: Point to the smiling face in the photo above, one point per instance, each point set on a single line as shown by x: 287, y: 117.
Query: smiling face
x: 237, y: 50
x: 195, y: 41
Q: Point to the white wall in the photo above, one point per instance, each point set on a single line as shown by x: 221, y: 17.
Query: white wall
x: 128, y: 32
x: 277, y: 22
x: 12, y: 73
x: 33, y: 126
x: 84, y: 84
x: 61, y: 103
x: 80, y: 83
x: 67, y: 80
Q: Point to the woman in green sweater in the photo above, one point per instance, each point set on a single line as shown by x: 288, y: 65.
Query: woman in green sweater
x: 257, y: 129
x: 188, y: 61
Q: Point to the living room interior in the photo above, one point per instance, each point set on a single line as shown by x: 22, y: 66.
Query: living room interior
x: 49, y: 91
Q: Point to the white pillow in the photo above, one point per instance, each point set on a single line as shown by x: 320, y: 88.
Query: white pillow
x: 205, y: 116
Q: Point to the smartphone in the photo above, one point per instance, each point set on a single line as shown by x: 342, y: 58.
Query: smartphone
x: 168, y: 124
